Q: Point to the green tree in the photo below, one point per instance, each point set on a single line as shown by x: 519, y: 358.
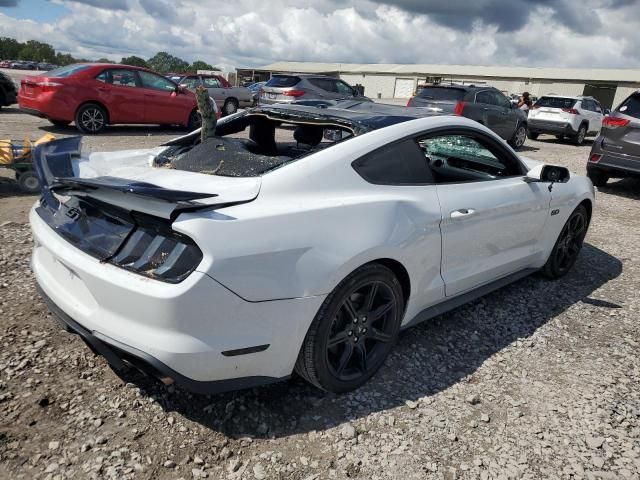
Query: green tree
x: 104, y: 60
x: 163, y: 62
x: 200, y: 65
x: 37, y: 52
x: 63, y: 59
x: 134, y: 61
x: 9, y: 48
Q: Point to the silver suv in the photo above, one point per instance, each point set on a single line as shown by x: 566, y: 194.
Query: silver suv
x: 293, y: 88
x: 565, y: 116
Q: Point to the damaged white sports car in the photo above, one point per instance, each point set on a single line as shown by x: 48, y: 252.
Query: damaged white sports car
x: 307, y: 247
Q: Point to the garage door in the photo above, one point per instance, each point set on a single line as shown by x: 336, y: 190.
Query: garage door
x: 404, y: 88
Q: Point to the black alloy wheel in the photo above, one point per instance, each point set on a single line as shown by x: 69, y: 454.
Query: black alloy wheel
x: 568, y: 246
x: 354, y: 330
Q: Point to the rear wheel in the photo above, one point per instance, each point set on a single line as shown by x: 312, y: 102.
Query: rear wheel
x: 60, y: 123
x: 195, y: 120
x: 598, y: 178
x: 230, y: 106
x: 580, y: 136
x: 533, y: 135
x: 28, y: 182
x: 519, y: 137
x: 354, y: 330
x: 568, y: 246
x: 91, y: 118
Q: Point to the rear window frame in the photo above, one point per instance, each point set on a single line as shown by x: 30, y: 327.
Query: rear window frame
x: 574, y: 101
x: 298, y: 80
x: 461, y: 91
x: 68, y: 70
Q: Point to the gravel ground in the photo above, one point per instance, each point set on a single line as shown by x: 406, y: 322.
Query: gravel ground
x: 538, y: 380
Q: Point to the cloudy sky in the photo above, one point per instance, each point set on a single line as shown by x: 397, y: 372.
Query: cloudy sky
x: 567, y: 33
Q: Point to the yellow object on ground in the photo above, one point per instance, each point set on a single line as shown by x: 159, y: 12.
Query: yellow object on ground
x: 12, y: 151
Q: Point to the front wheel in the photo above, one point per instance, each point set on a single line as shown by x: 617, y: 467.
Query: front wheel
x: 354, y: 330
x: 195, y: 120
x: 91, y: 118
x: 565, y: 251
x: 519, y: 137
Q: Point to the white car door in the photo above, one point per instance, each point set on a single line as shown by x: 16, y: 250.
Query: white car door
x: 492, y: 220
x: 598, y: 117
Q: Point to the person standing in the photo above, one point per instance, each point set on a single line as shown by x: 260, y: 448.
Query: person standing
x: 525, y: 102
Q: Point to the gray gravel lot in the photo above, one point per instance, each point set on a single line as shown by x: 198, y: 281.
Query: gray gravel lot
x: 538, y: 380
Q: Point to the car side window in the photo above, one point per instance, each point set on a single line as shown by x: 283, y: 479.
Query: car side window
x: 400, y: 163
x: 325, y: 84
x: 211, y: 82
x: 585, y: 105
x: 597, y: 107
x: 485, y: 97
x: 117, y: 76
x: 501, y: 100
x: 190, y: 82
x: 464, y: 158
x: 156, y: 82
x: 343, y: 88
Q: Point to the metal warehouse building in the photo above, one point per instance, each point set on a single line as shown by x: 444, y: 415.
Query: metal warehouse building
x: 609, y: 86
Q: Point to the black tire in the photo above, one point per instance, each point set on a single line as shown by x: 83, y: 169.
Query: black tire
x: 91, y: 118
x: 60, y: 123
x: 230, y: 106
x: 579, y: 137
x: 598, y: 178
x: 361, y: 317
x: 567, y: 248
x: 519, y: 137
x: 195, y: 120
x: 28, y: 182
x: 533, y: 135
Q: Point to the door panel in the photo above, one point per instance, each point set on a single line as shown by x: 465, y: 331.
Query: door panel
x: 162, y: 104
x: 490, y: 229
x: 118, y: 91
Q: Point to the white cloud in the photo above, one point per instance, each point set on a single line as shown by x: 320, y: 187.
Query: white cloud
x: 252, y: 32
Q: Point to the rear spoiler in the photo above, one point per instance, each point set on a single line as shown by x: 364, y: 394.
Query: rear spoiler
x: 53, y: 163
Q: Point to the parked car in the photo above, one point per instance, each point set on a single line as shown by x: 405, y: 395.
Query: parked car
x: 293, y: 88
x: 46, y: 66
x: 96, y: 95
x: 227, y: 97
x: 616, y: 151
x: 484, y: 104
x: 8, y: 91
x: 566, y: 116
x: 255, y: 88
x: 5, y: 64
x: 305, y: 250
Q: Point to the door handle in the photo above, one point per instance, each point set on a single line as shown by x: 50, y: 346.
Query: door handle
x: 463, y: 213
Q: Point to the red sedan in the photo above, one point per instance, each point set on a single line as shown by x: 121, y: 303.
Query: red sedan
x: 96, y: 95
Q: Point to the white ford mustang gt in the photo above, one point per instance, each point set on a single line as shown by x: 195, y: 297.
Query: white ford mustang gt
x: 234, y: 262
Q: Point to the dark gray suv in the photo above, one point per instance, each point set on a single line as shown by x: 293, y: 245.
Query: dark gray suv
x: 616, y: 151
x: 486, y: 105
x: 8, y: 91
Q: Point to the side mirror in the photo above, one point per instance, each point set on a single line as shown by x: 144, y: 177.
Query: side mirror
x: 548, y: 174
x: 182, y: 88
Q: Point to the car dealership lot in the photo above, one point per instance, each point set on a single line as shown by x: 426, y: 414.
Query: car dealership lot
x: 538, y: 380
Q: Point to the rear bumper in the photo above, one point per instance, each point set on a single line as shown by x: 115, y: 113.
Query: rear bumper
x: 555, y: 128
x: 197, y: 332
x: 267, y: 101
x: 47, y: 105
x: 615, y: 165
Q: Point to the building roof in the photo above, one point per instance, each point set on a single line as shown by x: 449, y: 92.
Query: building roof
x: 579, y: 74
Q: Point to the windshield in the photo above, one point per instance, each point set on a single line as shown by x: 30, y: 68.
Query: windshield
x: 556, y: 102
x: 67, y: 71
x: 441, y: 93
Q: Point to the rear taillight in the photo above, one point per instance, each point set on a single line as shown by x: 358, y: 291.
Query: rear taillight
x: 293, y: 93
x: 409, y: 102
x: 47, y: 86
x: 161, y: 255
x: 571, y: 111
x: 459, y: 110
x: 614, y: 122
x: 595, y: 157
